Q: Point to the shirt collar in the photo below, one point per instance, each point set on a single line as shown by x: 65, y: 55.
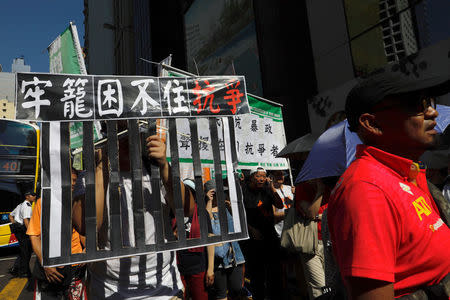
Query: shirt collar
x: 406, y: 168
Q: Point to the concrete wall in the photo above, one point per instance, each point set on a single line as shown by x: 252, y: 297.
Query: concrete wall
x: 7, y: 86
x: 329, y: 39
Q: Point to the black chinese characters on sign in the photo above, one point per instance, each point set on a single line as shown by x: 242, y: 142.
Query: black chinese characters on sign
x: 56, y: 97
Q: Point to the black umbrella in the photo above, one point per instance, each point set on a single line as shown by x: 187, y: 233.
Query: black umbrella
x: 302, y: 144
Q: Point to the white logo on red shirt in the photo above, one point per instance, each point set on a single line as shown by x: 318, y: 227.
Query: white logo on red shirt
x: 436, y: 225
x: 406, y: 188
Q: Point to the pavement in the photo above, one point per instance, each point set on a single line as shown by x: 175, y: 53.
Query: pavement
x: 12, y: 288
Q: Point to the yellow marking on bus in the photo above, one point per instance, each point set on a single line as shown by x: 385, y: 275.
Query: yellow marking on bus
x: 4, y: 240
x: 5, y: 235
x: 5, y: 230
x: 13, y: 289
x: 17, y: 146
x: 36, y: 174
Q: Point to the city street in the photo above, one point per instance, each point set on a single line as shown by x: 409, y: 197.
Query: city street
x: 13, y: 288
x: 191, y: 150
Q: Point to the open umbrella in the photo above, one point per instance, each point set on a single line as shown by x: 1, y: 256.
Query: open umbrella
x: 302, y: 144
x: 331, y: 154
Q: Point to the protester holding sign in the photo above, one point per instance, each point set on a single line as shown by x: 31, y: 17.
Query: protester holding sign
x: 134, y: 215
x: 153, y: 276
x: 54, y: 283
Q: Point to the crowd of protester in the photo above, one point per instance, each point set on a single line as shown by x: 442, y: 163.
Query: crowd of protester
x: 382, y: 228
x: 233, y: 270
x: 253, y: 268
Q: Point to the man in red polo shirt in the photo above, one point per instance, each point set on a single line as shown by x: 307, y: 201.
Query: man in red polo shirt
x: 387, y: 235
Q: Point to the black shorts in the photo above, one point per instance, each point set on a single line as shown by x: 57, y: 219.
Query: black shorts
x: 230, y: 279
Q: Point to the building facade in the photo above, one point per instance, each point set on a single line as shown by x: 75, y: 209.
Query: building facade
x: 399, y: 36
x: 358, y: 38
x: 7, y: 92
x: 19, y: 65
x: 244, y: 37
x: 7, y: 110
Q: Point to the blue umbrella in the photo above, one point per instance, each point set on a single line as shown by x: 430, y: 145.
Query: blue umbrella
x: 443, y: 119
x: 331, y: 154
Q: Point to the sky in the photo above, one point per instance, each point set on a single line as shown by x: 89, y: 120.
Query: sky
x: 28, y: 27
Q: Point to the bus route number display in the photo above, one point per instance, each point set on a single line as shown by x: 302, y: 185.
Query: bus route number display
x: 9, y: 166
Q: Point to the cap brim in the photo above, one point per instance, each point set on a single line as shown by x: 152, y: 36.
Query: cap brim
x: 435, y: 86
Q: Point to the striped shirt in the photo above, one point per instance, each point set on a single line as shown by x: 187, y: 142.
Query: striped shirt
x: 153, y: 276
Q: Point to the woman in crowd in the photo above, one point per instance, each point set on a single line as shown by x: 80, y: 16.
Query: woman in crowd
x: 228, y: 257
x: 196, y: 265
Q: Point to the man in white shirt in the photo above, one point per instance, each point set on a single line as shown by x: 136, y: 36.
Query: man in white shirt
x: 20, y: 218
x: 15, y: 268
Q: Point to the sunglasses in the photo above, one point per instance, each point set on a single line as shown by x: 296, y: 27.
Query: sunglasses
x: 417, y: 106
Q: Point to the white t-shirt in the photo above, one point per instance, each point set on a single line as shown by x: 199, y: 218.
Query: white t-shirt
x: 22, y: 211
x: 285, y: 192
x: 152, y: 276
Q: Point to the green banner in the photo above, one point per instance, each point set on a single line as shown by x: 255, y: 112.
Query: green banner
x: 63, y: 55
x: 265, y: 109
x: 66, y: 57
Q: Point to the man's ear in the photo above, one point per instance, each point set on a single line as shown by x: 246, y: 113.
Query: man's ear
x: 368, y: 122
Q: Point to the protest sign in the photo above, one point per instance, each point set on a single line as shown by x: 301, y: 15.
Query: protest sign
x: 259, y: 137
x: 47, y: 97
x: 140, y: 223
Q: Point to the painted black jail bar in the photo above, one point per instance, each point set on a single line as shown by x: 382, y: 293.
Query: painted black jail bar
x: 136, y: 165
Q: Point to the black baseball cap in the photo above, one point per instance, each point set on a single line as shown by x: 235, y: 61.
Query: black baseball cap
x: 30, y: 193
x: 427, y: 71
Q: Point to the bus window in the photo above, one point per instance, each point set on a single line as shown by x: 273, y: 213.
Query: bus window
x: 19, y: 169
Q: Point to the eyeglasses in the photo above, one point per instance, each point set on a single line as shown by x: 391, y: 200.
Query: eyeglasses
x: 428, y: 101
x: 418, y: 106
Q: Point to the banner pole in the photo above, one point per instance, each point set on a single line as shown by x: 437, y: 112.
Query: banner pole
x: 76, y: 42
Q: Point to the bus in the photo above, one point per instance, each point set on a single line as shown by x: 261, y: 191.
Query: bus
x: 19, y: 170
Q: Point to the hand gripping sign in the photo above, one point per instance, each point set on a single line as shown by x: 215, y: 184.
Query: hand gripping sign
x: 137, y: 218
